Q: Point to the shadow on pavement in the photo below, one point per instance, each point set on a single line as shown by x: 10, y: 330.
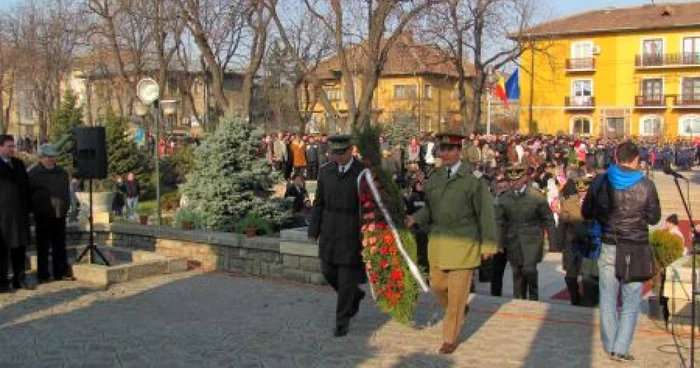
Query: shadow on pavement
x: 193, y: 320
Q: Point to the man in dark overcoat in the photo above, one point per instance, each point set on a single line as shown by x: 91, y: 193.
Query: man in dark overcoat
x: 523, y: 214
x: 14, y: 216
x: 335, y: 223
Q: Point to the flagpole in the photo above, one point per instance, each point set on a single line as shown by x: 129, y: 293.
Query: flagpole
x: 488, y: 114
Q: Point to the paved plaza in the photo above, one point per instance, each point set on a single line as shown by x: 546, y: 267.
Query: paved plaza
x: 197, y: 319
x: 228, y: 320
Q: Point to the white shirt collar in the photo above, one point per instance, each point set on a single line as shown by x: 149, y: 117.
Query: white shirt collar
x: 455, y: 167
x: 346, y: 167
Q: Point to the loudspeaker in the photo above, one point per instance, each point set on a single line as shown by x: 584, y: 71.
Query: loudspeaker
x: 90, y: 153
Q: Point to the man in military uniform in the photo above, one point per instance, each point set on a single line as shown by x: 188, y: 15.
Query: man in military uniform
x: 574, y: 231
x: 523, y: 214
x: 335, y: 223
x: 459, y: 210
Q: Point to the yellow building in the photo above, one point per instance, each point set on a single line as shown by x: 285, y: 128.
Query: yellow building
x: 418, y: 84
x: 614, y: 72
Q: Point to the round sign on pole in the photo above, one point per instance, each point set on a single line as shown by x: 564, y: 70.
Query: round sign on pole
x: 148, y: 90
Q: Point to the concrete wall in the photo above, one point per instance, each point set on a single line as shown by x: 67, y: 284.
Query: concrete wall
x: 291, y: 256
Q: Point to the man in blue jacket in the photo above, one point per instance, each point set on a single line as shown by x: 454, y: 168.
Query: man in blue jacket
x: 625, y: 203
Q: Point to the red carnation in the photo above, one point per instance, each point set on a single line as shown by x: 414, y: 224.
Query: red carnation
x: 397, y: 275
x: 383, y: 263
x: 373, y: 278
x: 384, y: 251
x: 388, y: 238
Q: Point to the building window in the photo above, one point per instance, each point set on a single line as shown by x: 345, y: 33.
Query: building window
x: 652, y: 88
x: 582, y: 91
x: 650, y: 125
x: 689, y: 125
x: 653, y: 52
x: 690, y: 89
x: 581, y: 125
x: 427, y: 92
x: 334, y: 94
x: 405, y: 92
x: 581, y: 50
x: 691, y: 50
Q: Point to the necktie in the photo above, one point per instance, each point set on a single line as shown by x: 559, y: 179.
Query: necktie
x: 449, y: 172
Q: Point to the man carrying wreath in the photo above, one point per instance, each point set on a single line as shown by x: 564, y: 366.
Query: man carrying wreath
x: 459, y: 211
x: 335, y: 223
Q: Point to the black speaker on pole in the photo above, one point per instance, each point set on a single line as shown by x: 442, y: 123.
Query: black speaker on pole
x: 90, y: 162
x: 90, y: 152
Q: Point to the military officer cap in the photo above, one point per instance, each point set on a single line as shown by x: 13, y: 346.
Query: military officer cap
x: 340, y: 142
x: 515, y: 172
x: 450, y: 139
x: 582, y: 183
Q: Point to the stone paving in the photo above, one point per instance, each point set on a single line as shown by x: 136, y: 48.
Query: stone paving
x: 200, y: 319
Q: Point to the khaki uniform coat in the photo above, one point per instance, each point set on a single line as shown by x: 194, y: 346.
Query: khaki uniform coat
x: 522, y: 219
x: 460, y: 214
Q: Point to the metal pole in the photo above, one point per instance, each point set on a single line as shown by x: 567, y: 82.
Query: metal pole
x: 156, y: 113
x: 488, y: 113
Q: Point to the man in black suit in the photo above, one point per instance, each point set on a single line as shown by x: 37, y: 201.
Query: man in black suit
x: 335, y: 223
x: 14, y: 216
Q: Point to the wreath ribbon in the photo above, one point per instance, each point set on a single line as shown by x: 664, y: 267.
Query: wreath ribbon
x: 415, y: 272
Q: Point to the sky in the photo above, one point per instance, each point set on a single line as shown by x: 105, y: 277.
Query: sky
x: 556, y: 7
x: 566, y: 7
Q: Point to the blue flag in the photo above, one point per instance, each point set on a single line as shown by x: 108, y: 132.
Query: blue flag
x: 513, y: 86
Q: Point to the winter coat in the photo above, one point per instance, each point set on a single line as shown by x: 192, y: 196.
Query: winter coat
x: 14, y: 200
x: 335, y: 216
x: 460, y: 214
x: 298, y: 153
x: 522, y: 219
x: 312, y: 152
x: 50, y: 191
x: 635, y: 206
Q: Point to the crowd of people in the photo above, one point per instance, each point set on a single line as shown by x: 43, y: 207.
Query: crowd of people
x: 479, y: 203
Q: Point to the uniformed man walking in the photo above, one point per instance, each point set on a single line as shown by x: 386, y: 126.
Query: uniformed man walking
x: 523, y: 214
x: 335, y: 223
x: 459, y: 210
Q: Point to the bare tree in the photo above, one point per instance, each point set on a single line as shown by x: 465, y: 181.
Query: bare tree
x: 258, y: 21
x: 363, y: 32
x: 47, y: 35
x: 217, y: 28
x: 307, y: 43
x: 120, y: 44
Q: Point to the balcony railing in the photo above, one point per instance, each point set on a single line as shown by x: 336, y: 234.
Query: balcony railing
x: 686, y: 101
x: 580, y: 64
x: 579, y: 102
x: 667, y: 60
x: 650, y: 101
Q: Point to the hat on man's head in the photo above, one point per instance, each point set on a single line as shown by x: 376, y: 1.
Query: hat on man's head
x: 47, y: 150
x: 582, y: 183
x: 450, y: 139
x: 340, y: 142
x: 515, y: 172
x: 673, y: 219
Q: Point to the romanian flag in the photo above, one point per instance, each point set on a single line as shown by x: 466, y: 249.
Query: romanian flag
x: 500, y: 90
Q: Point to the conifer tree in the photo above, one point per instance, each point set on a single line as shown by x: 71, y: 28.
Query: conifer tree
x: 122, y: 154
x: 66, y: 117
x: 230, y: 179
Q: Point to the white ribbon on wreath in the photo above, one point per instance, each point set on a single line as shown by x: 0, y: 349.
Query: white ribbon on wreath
x: 415, y: 272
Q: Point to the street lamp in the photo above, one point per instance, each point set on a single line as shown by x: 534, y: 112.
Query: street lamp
x: 148, y: 92
x: 169, y: 109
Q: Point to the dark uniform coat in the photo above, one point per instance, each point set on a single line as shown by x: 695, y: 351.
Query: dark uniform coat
x: 522, y: 219
x: 14, y: 204
x: 335, y: 217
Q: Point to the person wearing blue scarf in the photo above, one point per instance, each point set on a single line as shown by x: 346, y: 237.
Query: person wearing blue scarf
x: 625, y: 203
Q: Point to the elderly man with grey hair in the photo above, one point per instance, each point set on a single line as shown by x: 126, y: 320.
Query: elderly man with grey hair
x: 49, y: 187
